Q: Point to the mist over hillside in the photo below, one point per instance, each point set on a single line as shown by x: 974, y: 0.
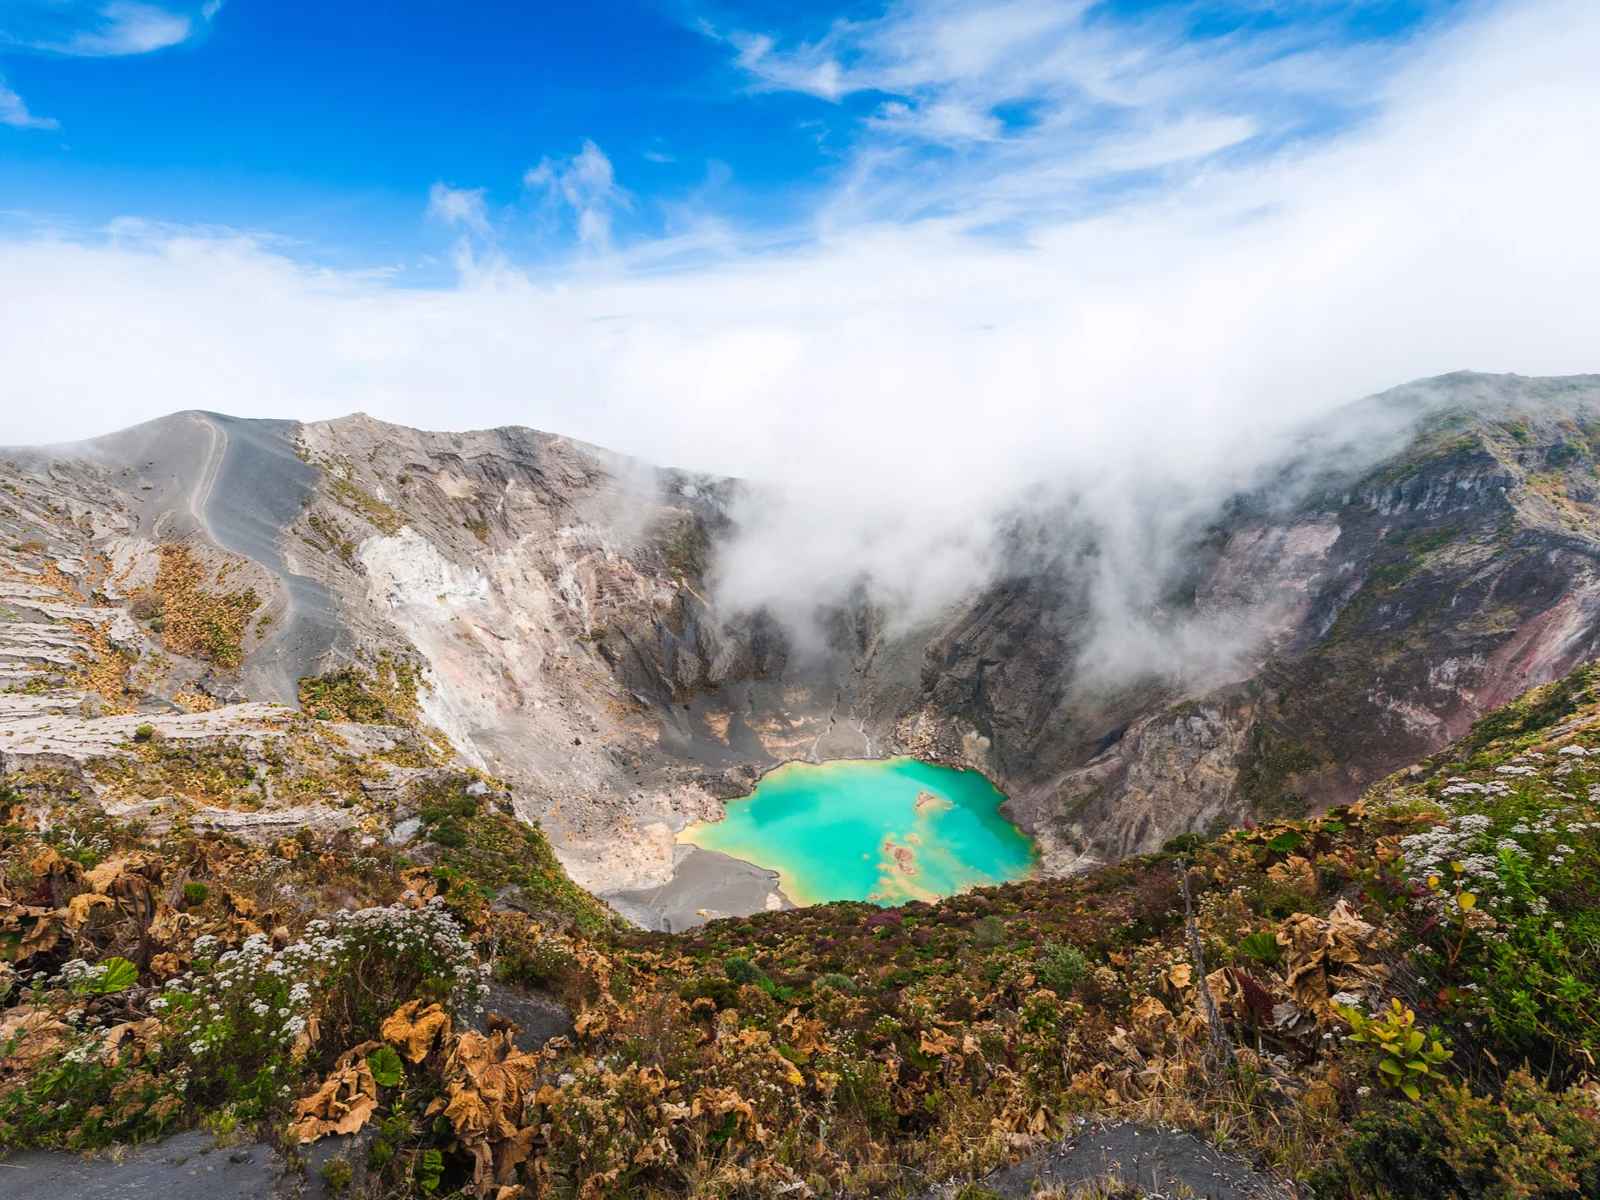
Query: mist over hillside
x: 1131, y: 654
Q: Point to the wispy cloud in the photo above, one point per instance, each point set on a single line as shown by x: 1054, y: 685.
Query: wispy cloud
x: 1000, y: 109
x: 584, y: 186
x: 14, y: 112
x: 102, y: 30
x: 465, y: 207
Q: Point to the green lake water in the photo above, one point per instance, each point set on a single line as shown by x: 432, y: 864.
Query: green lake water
x: 887, y: 830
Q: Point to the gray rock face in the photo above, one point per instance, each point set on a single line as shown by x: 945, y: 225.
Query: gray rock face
x: 187, y: 1167
x: 1348, y: 618
x: 539, y: 1017
x: 1388, y: 608
x: 1128, y: 1159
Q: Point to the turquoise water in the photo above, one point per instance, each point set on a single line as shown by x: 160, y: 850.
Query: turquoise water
x: 888, y: 830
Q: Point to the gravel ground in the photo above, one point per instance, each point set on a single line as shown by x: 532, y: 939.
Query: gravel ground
x: 1161, y: 1162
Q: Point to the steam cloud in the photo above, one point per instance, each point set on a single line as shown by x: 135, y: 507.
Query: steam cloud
x: 907, y: 388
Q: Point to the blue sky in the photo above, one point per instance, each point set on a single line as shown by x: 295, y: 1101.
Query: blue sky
x: 329, y: 125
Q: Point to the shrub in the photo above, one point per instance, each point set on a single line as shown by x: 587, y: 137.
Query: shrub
x: 235, y: 1019
x: 1509, y: 910
x: 336, y: 1174
x: 989, y: 932
x: 722, y: 993
x: 1061, y: 967
x: 144, y: 733
x: 194, y: 621
x: 1530, y: 1143
x: 498, y: 851
x: 525, y: 956
x: 742, y: 970
x: 839, y: 983
x: 78, y: 1101
x: 449, y: 833
x: 385, y: 695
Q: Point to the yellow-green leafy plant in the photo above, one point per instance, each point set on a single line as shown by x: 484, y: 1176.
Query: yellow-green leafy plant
x: 1406, y: 1059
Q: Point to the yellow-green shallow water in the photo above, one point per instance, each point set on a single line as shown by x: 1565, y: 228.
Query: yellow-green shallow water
x: 886, y: 830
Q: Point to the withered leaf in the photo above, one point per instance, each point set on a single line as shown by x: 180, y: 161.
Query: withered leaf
x: 343, y: 1104
x: 81, y: 906
x: 414, y: 1028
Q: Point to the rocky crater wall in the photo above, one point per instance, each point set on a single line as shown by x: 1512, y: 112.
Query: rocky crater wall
x: 551, y: 602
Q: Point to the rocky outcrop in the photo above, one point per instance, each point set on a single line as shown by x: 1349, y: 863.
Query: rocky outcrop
x: 1381, y: 612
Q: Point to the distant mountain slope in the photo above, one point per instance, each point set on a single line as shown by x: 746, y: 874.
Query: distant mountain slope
x: 545, y: 607
x: 1392, y: 608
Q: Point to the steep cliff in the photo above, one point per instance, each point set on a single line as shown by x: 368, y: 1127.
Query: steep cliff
x: 1384, y: 611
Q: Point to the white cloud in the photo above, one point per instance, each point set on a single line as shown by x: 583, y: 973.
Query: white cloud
x: 1035, y: 107
x: 905, y: 382
x: 586, y: 186
x: 14, y: 112
x: 131, y: 28
x: 459, y: 206
x: 113, y: 29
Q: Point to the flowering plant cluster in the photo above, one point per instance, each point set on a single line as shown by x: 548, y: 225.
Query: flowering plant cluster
x: 237, y: 1016
x: 1508, y: 882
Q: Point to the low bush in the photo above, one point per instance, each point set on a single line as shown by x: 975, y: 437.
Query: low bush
x: 1526, y: 1144
x: 1061, y: 966
x: 236, y: 1030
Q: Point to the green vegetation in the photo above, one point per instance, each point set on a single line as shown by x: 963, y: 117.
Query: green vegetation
x: 330, y: 535
x: 293, y: 759
x: 1263, y: 948
x: 1405, y: 1058
x: 340, y: 475
x: 336, y: 1173
x: 385, y: 695
x: 1522, y: 722
x: 686, y: 549
x: 1407, y: 986
x: 484, y: 853
x: 374, y: 511
x: 191, y: 619
x: 1566, y: 454
x: 1528, y: 1141
x: 1061, y: 967
x: 1269, y: 768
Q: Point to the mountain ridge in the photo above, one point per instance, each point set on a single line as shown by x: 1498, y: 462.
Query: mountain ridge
x: 554, y: 603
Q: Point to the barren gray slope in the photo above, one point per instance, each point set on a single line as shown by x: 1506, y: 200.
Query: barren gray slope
x: 238, y: 484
